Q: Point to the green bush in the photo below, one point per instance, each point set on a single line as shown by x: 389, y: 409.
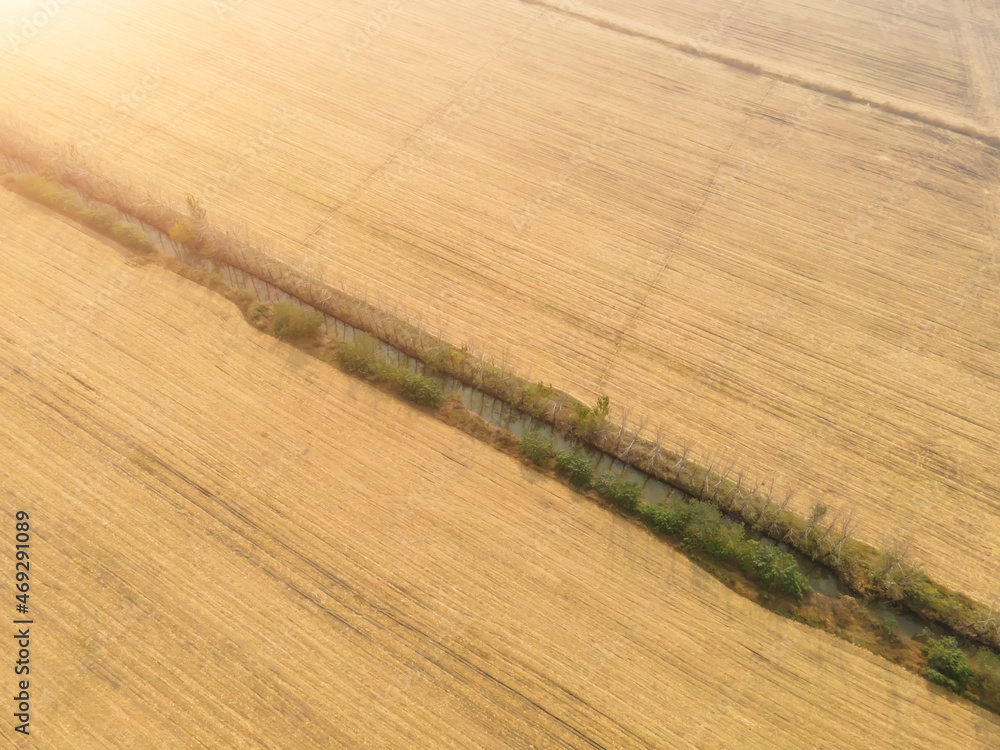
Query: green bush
x: 291, y: 321
x: 706, y: 531
x: 666, y: 519
x: 538, y: 447
x: 258, y: 314
x: 535, y: 396
x: 588, y: 421
x: 99, y: 216
x: 986, y: 674
x: 728, y: 542
x: 577, y: 467
x: 947, y: 665
x: 704, y: 527
x: 244, y: 297
x: 351, y: 358
x: 52, y: 194
x: 780, y: 571
x: 620, y: 492
x: 746, y: 552
x: 887, y: 624
x: 132, y: 236
x: 421, y: 390
x: 360, y: 359
x: 700, y: 526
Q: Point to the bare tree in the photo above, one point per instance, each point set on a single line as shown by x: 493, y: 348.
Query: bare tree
x: 657, y: 448
x: 893, y: 557
x: 989, y: 621
x: 626, y: 411
x: 640, y: 425
x: 847, y: 525
x: 482, y: 366
x: 789, y: 494
x: 766, y: 501
x: 737, y: 496
x: 703, y: 492
x: 682, y: 458
x: 829, y: 527
x: 816, y: 514
x: 723, y: 475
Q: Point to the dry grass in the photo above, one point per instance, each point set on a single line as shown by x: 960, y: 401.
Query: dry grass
x: 271, y: 553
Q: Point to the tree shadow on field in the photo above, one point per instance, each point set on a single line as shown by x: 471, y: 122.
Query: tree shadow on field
x: 532, y: 475
x: 294, y: 360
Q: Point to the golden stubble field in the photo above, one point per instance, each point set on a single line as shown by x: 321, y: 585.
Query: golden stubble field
x: 935, y: 55
x: 803, y: 285
x: 236, y: 546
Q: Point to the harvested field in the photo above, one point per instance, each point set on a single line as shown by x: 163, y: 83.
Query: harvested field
x: 784, y: 279
x: 978, y: 24
x: 243, y: 547
x: 929, y: 54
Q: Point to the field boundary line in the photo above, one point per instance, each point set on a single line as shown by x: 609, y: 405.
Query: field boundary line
x: 905, y: 110
x: 416, y: 131
x: 680, y: 238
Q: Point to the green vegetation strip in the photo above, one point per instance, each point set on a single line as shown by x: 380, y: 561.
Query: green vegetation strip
x: 104, y: 205
x: 698, y: 524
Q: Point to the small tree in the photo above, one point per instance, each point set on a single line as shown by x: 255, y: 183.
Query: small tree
x: 947, y: 664
x: 666, y: 519
x: 577, y: 467
x: 986, y: 673
x: 100, y: 216
x: 591, y: 421
x: 421, y: 390
x: 132, y: 236
x: 538, y: 447
x: 621, y: 492
x: 182, y: 231
x: 292, y: 321
x: 780, y: 571
x: 602, y: 408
